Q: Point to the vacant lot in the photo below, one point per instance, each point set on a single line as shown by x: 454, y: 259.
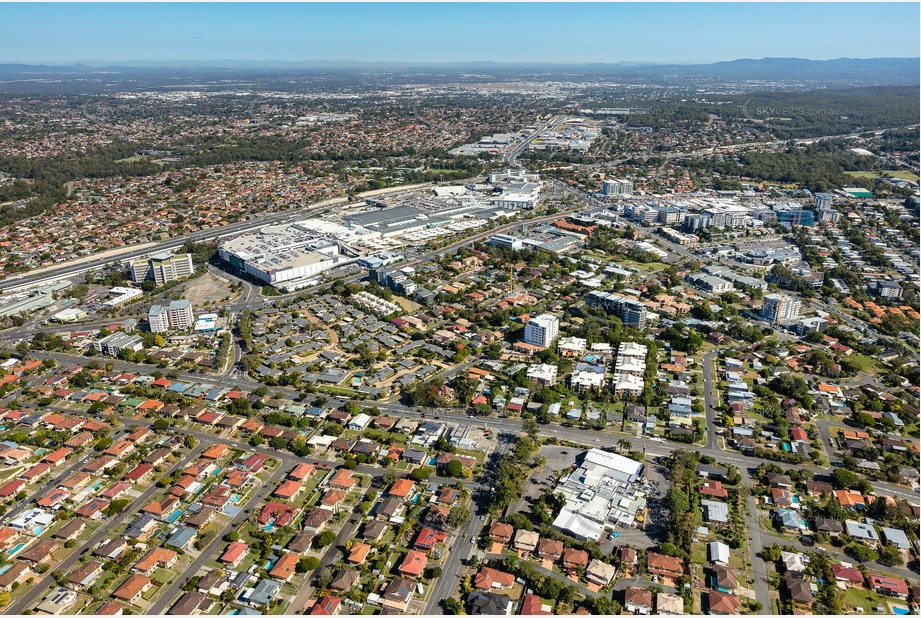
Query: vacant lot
x: 901, y: 174
x: 206, y: 290
x: 407, y: 305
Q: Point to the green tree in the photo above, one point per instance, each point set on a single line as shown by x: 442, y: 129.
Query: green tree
x: 454, y: 468
x: 307, y: 564
x: 421, y: 474
x: 324, y: 539
x: 117, y: 506
x: 891, y: 556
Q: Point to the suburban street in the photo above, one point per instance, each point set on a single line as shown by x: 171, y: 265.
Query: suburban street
x: 167, y: 597
x: 34, y: 592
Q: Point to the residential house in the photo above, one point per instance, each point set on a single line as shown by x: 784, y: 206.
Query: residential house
x: 549, y: 549
x: 798, y: 589
x: 132, y: 589
x: 669, y: 604
x: 890, y: 586
x: 599, y: 573
x: 638, y: 600
x: 664, y: 566
x: 397, y: 594
x: 413, y: 564
x: 489, y: 604
x: 720, y: 603
x: 488, y: 578
x: 526, y: 540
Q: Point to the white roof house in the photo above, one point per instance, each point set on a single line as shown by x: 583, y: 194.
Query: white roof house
x: 793, y: 562
x: 361, y: 421
x: 719, y: 553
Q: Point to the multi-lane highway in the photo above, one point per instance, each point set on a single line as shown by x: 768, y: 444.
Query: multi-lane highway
x: 76, y: 267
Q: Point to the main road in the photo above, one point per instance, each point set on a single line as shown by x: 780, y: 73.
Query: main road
x: 710, y: 401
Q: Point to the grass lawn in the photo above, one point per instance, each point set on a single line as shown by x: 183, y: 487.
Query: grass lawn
x: 901, y: 174
x: 10, y: 472
x: 861, y: 597
x: 699, y: 553
x: 336, y: 390
x: 162, y: 576
x: 736, y: 561
x: 216, y: 609
x: 864, y: 363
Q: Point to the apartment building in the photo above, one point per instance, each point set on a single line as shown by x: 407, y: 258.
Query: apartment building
x: 162, y: 267
x: 175, y: 316
x: 780, y: 309
x: 542, y: 330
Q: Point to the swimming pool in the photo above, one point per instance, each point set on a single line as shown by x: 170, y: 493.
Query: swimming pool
x: 174, y: 516
x: 416, y: 498
x: 235, y: 498
x: 16, y: 549
x: 269, y: 527
x: 218, y: 471
x: 5, y: 568
x: 38, y: 530
x: 96, y: 484
x: 901, y: 611
x: 786, y: 446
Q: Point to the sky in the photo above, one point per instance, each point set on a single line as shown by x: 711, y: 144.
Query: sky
x: 434, y: 33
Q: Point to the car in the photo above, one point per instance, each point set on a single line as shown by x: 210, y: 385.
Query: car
x: 472, y: 540
x: 596, y: 440
x: 482, y: 517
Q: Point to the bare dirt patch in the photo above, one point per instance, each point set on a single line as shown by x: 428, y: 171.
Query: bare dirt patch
x: 207, y: 290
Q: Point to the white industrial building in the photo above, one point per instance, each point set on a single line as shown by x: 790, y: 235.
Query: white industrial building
x: 603, y: 492
x: 507, y: 241
x: 71, y: 314
x: 121, y: 295
x: 116, y: 342
x: 281, y: 253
